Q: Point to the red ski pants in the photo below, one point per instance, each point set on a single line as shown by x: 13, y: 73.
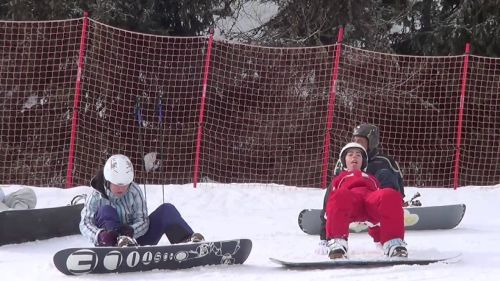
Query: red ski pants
x: 384, y: 207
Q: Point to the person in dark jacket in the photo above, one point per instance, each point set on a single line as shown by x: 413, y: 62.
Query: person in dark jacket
x: 380, y: 165
x: 116, y: 214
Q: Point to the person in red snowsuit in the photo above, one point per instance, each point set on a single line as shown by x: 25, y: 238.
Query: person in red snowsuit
x: 357, y: 197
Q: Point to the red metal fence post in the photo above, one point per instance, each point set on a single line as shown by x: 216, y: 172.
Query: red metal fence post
x: 460, y: 116
x: 331, y: 105
x: 202, y: 109
x: 76, y: 102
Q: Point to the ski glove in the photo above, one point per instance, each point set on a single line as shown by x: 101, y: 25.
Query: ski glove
x: 125, y: 230
x: 107, y: 238
x: 322, y: 248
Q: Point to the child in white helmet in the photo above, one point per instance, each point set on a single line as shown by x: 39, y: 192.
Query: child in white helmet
x: 380, y: 165
x: 115, y: 214
x: 357, y: 197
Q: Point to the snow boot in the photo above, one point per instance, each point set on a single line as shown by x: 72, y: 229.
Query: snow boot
x: 125, y: 241
x: 395, y: 248
x: 338, y: 248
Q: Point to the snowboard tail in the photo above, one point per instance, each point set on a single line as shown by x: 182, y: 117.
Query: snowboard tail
x: 76, y: 261
x: 39, y: 224
x: 416, y: 218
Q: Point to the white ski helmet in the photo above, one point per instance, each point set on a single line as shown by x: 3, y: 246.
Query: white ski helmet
x: 119, y: 170
x: 350, y: 145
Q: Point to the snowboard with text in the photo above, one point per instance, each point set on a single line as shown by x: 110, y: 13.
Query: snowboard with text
x: 75, y: 261
x: 416, y: 218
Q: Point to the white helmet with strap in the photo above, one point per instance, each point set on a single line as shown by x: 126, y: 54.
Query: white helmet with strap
x: 119, y: 170
x: 350, y: 145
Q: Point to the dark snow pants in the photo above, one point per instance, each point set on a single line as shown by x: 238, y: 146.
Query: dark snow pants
x: 166, y: 219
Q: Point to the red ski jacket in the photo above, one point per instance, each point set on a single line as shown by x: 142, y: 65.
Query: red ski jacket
x: 357, y: 181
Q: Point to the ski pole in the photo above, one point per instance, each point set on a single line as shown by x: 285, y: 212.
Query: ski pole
x: 160, y: 112
x: 138, y: 118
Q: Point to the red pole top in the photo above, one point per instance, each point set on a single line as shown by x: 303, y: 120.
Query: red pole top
x: 340, y: 36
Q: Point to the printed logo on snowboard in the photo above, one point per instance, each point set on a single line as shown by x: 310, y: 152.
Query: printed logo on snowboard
x: 157, y: 257
x: 201, y: 251
x: 85, y: 260
x: 147, y: 258
x: 409, y: 220
x: 113, y: 260
x: 82, y: 261
x: 106, y: 260
x: 133, y: 259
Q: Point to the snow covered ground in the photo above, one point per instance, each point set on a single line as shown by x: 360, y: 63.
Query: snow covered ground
x: 268, y: 216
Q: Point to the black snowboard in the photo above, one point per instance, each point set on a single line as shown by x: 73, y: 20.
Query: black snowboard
x: 75, y: 261
x: 18, y: 226
x: 364, y: 263
x: 416, y: 218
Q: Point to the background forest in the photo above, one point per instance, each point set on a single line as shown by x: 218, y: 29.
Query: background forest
x: 410, y: 27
